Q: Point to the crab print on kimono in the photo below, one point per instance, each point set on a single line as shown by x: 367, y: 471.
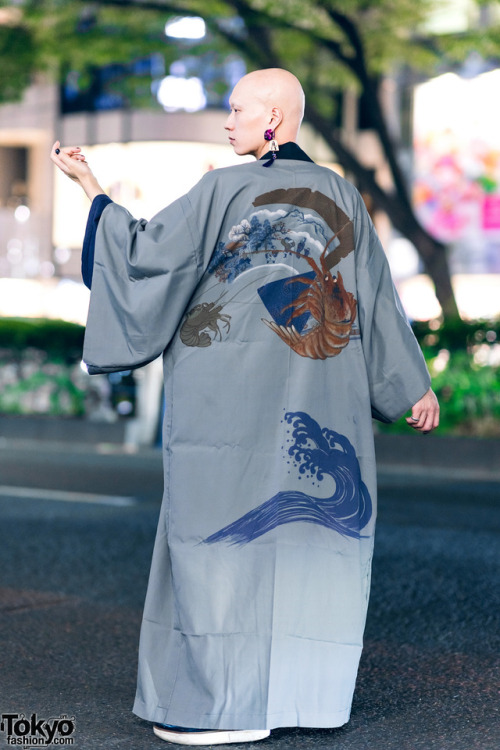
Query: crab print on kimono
x: 311, y: 310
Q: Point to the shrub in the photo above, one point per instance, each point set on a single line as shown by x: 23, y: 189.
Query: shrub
x: 39, y: 367
x: 61, y: 341
x: 464, y: 361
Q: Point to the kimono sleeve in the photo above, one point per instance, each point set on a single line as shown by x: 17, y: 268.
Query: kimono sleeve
x: 396, y: 369
x: 88, y: 251
x: 143, y: 277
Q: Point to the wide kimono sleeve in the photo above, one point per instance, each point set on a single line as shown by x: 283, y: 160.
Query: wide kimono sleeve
x: 144, y: 273
x: 396, y: 369
x: 88, y: 251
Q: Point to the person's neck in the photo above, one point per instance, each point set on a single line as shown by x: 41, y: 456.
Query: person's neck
x: 265, y: 148
x: 289, y: 150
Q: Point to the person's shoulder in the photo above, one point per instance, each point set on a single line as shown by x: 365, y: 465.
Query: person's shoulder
x: 337, y: 187
x: 333, y: 177
x: 221, y: 177
x: 220, y: 184
x: 223, y: 173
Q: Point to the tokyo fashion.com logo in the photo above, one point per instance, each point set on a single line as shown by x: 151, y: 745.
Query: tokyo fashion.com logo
x: 24, y: 731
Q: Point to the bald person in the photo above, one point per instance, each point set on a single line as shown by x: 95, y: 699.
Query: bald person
x: 267, y: 293
x: 265, y: 99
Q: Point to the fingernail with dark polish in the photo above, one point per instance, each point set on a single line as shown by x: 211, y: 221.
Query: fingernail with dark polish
x: 58, y: 150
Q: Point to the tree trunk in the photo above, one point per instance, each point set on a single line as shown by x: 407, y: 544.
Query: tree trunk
x: 431, y: 251
x: 401, y: 213
x: 433, y: 255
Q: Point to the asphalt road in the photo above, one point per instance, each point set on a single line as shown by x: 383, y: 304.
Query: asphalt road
x: 76, y: 534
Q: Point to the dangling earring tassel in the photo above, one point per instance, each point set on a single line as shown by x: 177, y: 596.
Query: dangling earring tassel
x: 269, y: 136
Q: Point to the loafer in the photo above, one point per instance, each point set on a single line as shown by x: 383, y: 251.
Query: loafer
x: 184, y: 736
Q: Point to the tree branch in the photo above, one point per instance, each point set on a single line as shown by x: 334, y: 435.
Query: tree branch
x: 357, y: 64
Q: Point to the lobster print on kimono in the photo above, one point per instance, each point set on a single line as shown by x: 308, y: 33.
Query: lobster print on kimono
x: 268, y: 295
x: 318, y: 295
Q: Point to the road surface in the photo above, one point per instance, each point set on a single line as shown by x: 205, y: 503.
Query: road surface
x: 76, y: 535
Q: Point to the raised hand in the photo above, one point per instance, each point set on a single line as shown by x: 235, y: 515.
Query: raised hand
x: 72, y: 163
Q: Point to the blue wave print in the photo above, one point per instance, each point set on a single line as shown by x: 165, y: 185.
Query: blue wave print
x: 316, y: 453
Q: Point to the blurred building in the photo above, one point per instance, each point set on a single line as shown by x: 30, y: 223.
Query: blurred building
x: 26, y: 194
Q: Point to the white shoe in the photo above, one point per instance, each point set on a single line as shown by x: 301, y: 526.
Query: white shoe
x: 180, y: 736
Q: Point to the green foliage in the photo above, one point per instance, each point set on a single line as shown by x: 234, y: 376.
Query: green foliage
x: 48, y: 390
x: 40, y: 367
x: 55, y: 36
x: 61, y: 341
x: 58, y: 35
x: 469, y: 395
x: 92, y: 34
x: 458, y: 46
x: 17, y: 62
x: 455, y: 335
x: 386, y: 29
x: 464, y: 363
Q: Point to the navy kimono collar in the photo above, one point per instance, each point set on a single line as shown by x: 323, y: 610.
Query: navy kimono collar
x: 288, y: 150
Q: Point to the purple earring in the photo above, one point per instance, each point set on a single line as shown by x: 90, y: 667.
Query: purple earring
x: 269, y: 135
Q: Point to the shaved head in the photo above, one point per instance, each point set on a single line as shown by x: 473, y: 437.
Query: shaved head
x: 265, y: 99
x: 276, y: 87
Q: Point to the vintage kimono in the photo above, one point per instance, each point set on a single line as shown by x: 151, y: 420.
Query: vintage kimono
x: 268, y: 293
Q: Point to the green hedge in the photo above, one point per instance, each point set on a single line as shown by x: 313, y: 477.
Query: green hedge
x: 39, y: 367
x: 463, y: 359
x: 61, y: 341
x: 456, y: 335
x: 53, y: 390
x: 456, y: 352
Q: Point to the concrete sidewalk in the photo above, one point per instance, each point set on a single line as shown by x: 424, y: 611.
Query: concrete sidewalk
x: 67, y: 430
x: 438, y: 456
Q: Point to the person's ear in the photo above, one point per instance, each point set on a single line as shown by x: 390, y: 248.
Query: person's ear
x: 276, y: 117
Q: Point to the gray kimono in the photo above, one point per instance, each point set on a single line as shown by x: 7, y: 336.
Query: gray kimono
x: 269, y: 295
